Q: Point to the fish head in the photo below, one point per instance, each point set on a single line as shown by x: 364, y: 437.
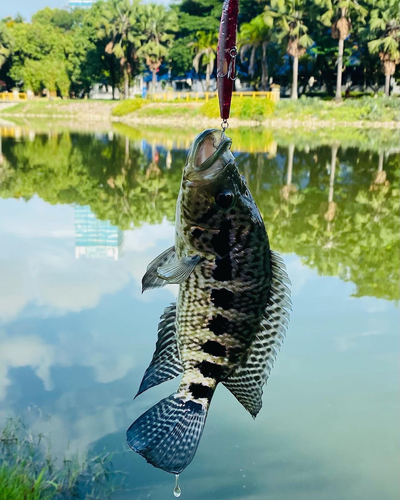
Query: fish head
x: 213, y: 196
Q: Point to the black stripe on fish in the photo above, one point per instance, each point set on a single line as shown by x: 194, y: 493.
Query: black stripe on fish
x: 218, y: 325
x: 221, y: 241
x: 201, y: 391
x: 222, y: 298
x: 197, y: 232
x: 223, y: 269
x: 207, y: 215
x: 214, y: 348
x: 210, y: 370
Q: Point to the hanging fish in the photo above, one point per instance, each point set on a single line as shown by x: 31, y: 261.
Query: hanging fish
x: 232, y: 309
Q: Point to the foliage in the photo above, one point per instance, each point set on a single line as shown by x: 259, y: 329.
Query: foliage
x: 129, y: 182
x: 157, y: 26
x: 128, y: 106
x: 27, y: 472
x: 6, y: 43
x: 244, y: 108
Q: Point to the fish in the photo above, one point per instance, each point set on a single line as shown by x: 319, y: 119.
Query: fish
x: 231, y: 313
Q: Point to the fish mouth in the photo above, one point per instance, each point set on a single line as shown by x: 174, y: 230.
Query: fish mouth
x: 209, y: 155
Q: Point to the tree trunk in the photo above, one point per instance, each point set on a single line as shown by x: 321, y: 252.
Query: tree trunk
x: 332, y: 176
x: 338, y: 96
x: 208, y: 77
x: 126, y: 84
x: 264, y: 67
x: 154, y: 81
x: 380, y: 164
x: 295, y: 77
x: 126, y: 150
x: 387, y: 85
x: 290, y: 165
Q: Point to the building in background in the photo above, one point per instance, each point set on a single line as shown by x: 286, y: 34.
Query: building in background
x: 80, y: 4
x: 94, y: 238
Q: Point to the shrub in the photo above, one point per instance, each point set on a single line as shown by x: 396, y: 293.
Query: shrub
x: 128, y: 106
x: 245, y: 108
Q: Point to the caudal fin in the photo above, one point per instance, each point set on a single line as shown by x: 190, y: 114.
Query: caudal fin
x: 168, y: 434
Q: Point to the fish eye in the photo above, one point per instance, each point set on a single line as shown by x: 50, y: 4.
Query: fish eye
x: 225, y: 198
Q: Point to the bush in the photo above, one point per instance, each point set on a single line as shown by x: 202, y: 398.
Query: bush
x: 245, y: 108
x: 128, y: 106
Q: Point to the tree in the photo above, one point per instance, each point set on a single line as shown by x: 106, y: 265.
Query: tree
x: 119, y: 24
x: 205, y: 49
x: 6, y: 43
x: 157, y: 25
x: 288, y: 18
x: 39, y: 58
x: 337, y: 15
x: 252, y: 36
x: 384, y: 24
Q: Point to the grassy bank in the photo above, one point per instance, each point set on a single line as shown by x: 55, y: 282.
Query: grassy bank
x: 365, y: 109
x: 313, y: 112
x: 28, y: 472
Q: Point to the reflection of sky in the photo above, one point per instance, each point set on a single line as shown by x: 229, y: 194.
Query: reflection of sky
x: 76, y: 336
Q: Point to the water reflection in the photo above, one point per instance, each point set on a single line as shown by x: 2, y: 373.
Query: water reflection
x: 95, y: 238
x: 76, y: 334
x: 332, y: 206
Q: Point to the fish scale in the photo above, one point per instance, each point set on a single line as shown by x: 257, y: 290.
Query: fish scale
x: 232, y: 308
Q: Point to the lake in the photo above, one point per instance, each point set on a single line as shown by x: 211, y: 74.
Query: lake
x: 81, y: 216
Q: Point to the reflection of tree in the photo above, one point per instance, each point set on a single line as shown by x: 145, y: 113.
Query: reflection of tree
x: 111, y: 178
x: 363, y: 243
x: 129, y: 185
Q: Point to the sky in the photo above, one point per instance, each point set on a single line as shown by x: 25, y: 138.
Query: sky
x: 28, y: 7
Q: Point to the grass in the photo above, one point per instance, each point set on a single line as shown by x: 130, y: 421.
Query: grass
x: 307, y: 109
x: 351, y: 110
x: 28, y: 473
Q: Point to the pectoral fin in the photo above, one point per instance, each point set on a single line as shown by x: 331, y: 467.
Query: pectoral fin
x: 151, y: 279
x: 246, y: 383
x: 166, y: 363
x: 179, y: 270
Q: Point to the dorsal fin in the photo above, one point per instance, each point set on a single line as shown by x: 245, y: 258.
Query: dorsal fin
x: 166, y: 363
x: 246, y: 383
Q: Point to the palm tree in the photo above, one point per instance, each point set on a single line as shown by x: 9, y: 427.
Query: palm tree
x: 337, y: 15
x: 288, y: 17
x: 253, y: 35
x: 119, y: 23
x: 205, y: 49
x: 157, y: 24
x: 385, y: 22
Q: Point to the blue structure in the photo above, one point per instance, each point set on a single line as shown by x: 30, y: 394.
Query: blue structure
x: 80, y: 4
x: 95, y: 238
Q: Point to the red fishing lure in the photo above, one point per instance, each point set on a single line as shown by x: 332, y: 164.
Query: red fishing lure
x: 226, y: 55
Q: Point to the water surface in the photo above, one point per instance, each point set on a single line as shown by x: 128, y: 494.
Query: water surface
x: 81, y: 216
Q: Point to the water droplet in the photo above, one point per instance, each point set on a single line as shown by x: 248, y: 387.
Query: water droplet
x: 177, y: 490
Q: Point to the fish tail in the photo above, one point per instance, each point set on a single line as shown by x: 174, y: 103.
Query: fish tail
x: 168, y: 434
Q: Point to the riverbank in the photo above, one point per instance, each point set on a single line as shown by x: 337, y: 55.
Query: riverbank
x: 308, y: 113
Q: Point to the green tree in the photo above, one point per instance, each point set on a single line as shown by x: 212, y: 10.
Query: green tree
x: 39, y: 59
x: 6, y: 43
x: 157, y: 25
x: 205, y: 48
x: 119, y: 24
x: 288, y: 18
x: 254, y: 35
x: 384, y: 25
x: 338, y: 16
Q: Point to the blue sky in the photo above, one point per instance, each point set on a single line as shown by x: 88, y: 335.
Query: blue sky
x: 28, y: 7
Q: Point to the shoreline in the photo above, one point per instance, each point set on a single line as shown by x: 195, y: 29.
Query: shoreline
x: 94, y: 112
